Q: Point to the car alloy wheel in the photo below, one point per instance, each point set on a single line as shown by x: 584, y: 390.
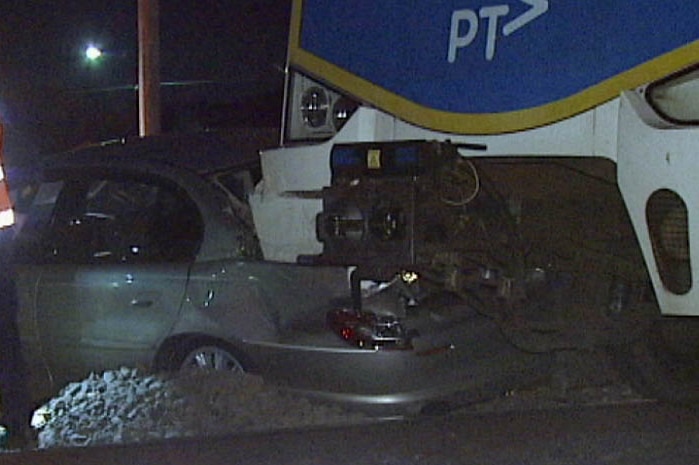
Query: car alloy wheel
x: 211, y: 358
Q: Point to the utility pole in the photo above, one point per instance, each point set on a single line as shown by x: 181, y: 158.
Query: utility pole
x: 148, y: 68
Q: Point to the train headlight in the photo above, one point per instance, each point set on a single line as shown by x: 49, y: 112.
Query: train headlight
x: 314, y: 112
x: 315, y: 104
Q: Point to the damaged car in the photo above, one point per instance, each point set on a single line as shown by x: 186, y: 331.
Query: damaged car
x: 144, y: 254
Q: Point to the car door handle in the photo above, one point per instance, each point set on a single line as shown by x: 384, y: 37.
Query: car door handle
x: 141, y: 303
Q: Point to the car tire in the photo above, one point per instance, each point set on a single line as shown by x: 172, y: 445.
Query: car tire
x: 664, y: 362
x: 209, y: 356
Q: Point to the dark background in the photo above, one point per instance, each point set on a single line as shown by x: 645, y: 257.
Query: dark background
x: 221, y: 67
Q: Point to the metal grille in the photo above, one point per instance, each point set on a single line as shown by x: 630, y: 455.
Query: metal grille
x: 666, y: 214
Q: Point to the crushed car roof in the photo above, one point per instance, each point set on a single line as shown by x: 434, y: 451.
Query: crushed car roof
x: 200, y: 152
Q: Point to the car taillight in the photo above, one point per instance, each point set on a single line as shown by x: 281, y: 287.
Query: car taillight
x: 368, y: 330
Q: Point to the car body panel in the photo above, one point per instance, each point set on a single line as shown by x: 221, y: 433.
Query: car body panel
x: 260, y: 301
x: 466, y: 361
x: 100, y: 315
x: 275, y: 314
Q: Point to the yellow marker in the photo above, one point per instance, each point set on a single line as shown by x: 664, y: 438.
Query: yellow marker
x: 373, y: 159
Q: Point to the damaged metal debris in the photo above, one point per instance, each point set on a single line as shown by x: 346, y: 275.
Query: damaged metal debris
x: 542, y: 246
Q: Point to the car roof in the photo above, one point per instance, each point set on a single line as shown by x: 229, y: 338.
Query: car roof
x: 198, y: 152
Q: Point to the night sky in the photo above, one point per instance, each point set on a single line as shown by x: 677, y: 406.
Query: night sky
x: 51, y: 98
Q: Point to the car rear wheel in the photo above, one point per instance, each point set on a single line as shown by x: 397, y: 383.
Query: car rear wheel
x: 664, y: 362
x: 211, y: 358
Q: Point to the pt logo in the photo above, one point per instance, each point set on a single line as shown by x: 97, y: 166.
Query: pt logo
x: 465, y: 25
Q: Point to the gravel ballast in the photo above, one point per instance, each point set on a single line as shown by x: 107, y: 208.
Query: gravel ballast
x: 126, y: 406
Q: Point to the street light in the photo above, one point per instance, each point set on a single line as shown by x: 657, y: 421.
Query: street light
x: 93, y: 53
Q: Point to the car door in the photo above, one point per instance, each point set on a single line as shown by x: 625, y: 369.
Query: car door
x: 113, y: 272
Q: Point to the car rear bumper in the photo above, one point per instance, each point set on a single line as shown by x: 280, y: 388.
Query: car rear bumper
x: 467, y: 363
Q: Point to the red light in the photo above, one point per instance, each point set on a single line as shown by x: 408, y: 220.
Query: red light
x: 347, y: 334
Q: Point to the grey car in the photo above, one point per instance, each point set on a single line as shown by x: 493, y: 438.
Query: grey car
x: 141, y: 254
